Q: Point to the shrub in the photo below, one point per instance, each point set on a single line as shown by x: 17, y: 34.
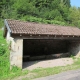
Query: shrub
x: 2, y: 49
x: 1, y: 23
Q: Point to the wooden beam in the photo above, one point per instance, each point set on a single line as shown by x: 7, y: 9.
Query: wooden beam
x: 45, y: 37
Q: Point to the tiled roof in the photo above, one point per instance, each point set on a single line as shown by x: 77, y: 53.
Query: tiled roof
x: 23, y: 27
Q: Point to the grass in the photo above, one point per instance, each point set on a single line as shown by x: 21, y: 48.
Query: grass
x: 7, y: 74
x: 5, y: 71
x: 4, y: 57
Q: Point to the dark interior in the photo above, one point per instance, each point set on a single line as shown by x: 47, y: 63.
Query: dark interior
x: 40, y: 47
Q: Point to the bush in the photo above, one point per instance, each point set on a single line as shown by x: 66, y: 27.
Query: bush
x: 2, y: 49
x: 5, y: 71
x: 2, y: 44
x: 41, y: 20
x: 1, y: 23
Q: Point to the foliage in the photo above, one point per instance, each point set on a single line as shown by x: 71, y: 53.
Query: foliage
x: 74, y: 16
x: 41, y: 20
x: 45, y: 11
x: 2, y: 50
x: 1, y: 23
x: 5, y: 71
x: 4, y: 56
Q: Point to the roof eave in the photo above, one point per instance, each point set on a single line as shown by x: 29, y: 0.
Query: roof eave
x: 7, y: 26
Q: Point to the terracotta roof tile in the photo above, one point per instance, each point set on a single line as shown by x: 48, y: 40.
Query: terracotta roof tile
x: 23, y: 27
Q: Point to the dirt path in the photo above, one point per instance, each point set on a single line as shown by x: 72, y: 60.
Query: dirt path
x: 47, y: 63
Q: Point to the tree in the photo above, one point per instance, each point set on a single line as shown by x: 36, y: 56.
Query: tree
x: 75, y: 16
x: 5, y: 8
x: 66, y: 2
x: 48, y: 10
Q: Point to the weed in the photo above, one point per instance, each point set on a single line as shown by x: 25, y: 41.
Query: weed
x: 73, y: 57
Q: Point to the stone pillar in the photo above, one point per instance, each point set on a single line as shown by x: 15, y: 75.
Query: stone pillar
x: 74, y: 48
x: 16, y: 54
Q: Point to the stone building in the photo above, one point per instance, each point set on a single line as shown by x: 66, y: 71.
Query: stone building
x: 29, y: 39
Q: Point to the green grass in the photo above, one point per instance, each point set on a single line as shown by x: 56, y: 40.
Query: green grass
x: 4, y: 58
x: 5, y: 71
x: 7, y: 74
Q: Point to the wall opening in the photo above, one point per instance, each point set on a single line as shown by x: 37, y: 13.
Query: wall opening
x: 34, y: 49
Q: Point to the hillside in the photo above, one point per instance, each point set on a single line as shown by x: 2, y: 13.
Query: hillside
x: 45, y: 11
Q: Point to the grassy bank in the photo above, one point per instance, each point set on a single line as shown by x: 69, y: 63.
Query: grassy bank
x: 5, y: 71
x: 7, y: 74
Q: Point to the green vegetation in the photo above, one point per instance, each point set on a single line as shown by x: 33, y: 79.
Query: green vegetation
x: 45, y: 11
x: 1, y: 23
x: 41, y: 20
x: 5, y: 71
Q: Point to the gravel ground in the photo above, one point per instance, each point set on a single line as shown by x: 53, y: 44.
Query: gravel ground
x: 47, y: 63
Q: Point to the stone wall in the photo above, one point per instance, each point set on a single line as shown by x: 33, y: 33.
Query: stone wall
x: 74, y: 48
x: 16, y: 53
